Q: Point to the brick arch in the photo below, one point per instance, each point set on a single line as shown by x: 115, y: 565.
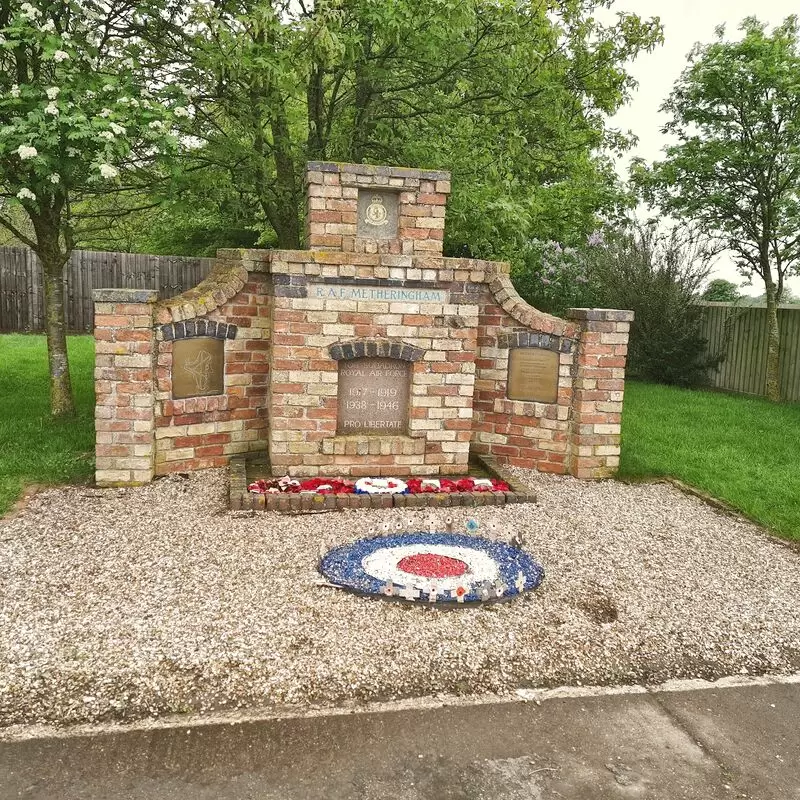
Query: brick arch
x: 375, y: 348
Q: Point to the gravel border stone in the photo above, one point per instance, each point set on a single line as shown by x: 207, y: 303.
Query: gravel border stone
x: 120, y: 604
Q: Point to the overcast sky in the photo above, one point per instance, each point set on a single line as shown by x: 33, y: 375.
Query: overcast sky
x: 685, y: 22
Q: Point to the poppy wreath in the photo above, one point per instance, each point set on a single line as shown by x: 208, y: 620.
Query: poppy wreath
x: 377, y: 485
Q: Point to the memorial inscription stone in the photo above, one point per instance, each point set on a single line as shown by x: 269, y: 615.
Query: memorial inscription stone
x: 198, y: 367
x: 533, y: 375
x: 377, y: 214
x: 373, y: 396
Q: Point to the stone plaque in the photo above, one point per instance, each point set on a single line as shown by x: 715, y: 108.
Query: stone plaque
x: 377, y: 214
x: 198, y: 367
x: 392, y: 294
x: 373, y: 396
x: 532, y: 375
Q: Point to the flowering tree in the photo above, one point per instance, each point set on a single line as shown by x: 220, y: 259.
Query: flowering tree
x: 77, y: 119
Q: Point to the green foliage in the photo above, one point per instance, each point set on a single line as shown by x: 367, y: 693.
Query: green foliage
x: 657, y: 275
x: 721, y: 291
x: 278, y: 84
x: 34, y: 447
x: 553, y: 277
x: 736, y: 168
x: 742, y: 450
x: 75, y: 115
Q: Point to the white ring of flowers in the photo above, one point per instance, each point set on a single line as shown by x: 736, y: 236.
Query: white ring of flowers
x: 381, y: 485
x: 382, y: 564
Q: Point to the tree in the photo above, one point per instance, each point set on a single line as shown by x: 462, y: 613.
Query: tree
x: 279, y: 83
x: 76, y: 121
x: 736, y: 166
x: 721, y: 291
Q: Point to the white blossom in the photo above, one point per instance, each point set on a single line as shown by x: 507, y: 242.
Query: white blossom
x: 180, y: 111
x: 52, y: 109
x: 26, y: 194
x: 73, y: 152
x: 60, y: 55
x: 118, y: 129
x: 25, y: 152
x: 107, y: 171
x: 106, y: 112
x: 109, y: 87
x: 53, y: 92
x: 48, y: 26
x: 89, y: 95
x: 29, y: 12
x: 14, y: 91
x: 156, y: 125
x: 108, y: 135
x: 55, y: 178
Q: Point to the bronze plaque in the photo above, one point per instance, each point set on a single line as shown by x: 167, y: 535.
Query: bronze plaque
x: 533, y: 375
x: 198, y: 367
x: 377, y: 214
x: 373, y: 396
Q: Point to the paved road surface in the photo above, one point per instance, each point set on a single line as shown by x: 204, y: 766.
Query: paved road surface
x: 705, y: 744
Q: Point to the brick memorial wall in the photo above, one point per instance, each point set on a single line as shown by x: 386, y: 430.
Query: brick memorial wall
x: 369, y: 353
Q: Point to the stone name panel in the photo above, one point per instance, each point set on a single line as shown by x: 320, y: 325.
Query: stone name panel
x: 373, y: 396
x: 384, y: 294
x: 533, y: 375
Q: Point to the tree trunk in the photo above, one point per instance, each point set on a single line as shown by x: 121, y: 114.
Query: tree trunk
x: 773, y: 383
x: 61, y: 402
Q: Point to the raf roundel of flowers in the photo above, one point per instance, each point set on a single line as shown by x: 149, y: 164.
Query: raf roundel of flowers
x: 86, y: 115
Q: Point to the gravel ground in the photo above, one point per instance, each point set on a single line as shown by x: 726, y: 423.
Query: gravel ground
x: 121, y: 604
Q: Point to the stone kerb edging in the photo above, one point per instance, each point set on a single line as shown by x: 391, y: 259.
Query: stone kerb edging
x: 226, y: 280
x: 310, y: 502
x: 375, y: 348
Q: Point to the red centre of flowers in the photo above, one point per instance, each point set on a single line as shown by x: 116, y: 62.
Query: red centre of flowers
x: 430, y: 565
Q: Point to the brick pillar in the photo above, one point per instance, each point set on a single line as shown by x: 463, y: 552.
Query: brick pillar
x: 599, y: 383
x: 124, y: 378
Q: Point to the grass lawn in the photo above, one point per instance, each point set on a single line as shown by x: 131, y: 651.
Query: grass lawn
x: 34, y: 448
x: 742, y: 450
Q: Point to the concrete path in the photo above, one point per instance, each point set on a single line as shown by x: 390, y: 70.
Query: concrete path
x: 707, y: 744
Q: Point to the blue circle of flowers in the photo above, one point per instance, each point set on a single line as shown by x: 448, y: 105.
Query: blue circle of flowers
x: 342, y: 566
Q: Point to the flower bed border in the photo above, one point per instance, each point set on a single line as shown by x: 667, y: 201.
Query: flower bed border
x: 309, y: 503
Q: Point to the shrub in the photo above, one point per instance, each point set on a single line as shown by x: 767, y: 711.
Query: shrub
x: 658, y: 276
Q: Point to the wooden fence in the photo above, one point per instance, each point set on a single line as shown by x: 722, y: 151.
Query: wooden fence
x: 739, y: 334
x: 21, y: 294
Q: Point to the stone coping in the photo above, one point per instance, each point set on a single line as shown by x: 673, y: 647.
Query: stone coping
x: 125, y: 295
x: 307, y: 503
x: 376, y: 170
